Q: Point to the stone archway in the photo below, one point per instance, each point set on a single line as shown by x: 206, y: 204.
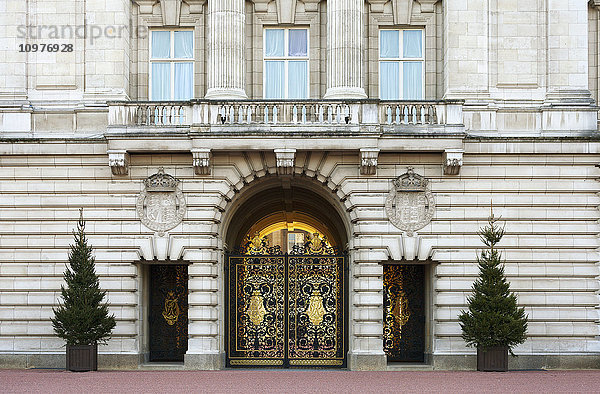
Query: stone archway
x: 286, y: 306
x: 274, y: 199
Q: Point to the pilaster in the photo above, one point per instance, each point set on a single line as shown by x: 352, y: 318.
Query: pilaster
x: 466, y: 67
x: 567, y: 31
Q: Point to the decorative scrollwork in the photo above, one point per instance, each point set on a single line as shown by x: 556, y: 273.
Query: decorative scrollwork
x: 256, y: 245
x: 316, y: 245
x: 168, y: 321
x: 287, y: 307
x: 403, y: 311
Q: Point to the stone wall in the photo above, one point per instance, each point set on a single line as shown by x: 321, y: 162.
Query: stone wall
x: 545, y: 190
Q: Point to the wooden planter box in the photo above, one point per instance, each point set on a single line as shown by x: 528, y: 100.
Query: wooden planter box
x: 82, y: 358
x: 494, y: 359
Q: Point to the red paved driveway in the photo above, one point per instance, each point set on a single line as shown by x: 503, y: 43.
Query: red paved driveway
x: 47, y: 381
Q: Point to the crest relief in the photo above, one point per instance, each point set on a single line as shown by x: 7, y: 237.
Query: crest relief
x: 161, y: 205
x: 410, y: 205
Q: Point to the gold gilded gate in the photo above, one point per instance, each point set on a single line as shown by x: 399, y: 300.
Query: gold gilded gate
x: 286, y: 310
x: 404, y: 312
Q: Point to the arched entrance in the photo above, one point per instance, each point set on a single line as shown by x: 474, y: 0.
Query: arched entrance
x: 286, y: 278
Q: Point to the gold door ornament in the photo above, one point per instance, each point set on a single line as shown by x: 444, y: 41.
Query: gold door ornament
x: 256, y: 309
x: 171, y: 311
x: 400, y: 309
x: 315, y: 310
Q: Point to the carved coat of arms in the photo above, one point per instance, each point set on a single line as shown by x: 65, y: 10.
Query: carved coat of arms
x: 410, y: 205
x: 161, y: 205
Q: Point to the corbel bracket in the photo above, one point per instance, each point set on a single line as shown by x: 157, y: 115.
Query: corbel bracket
x: 368, y: 161
x: 201, y: 157
x: 118, y: 160
x: 285, y: 161
x: 453, y: 161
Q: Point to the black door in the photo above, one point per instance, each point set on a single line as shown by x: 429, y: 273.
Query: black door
x: 168, y: 312
x: 404, y: 312
x: 286, y: 310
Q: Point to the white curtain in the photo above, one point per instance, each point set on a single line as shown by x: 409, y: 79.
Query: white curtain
x: 298, y: 42
x: 161, y: 81
x: 413, y: 43
x: 184, y: 81
x: 184, y: 44
x: 274, y: 42
x: 274, y: 79
x: 298, y: 79
x: 389, y: 80
x: 413, y: 81
x: 389, y: 45
x: 161, y: 44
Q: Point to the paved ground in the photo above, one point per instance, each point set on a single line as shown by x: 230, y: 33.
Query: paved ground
x: 52, y: 381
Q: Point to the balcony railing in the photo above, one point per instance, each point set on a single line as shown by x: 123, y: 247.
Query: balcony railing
x: 293, y: 112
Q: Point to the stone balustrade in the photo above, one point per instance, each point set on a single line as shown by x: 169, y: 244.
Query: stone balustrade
x: 289, y: 112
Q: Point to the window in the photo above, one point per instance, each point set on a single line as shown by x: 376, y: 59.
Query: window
x: 172, y: 65
x: 294, y: 239
x: 285, y: 63
x: 401, y: 64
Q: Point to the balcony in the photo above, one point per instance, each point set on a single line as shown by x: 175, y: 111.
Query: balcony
x: 260, y: 116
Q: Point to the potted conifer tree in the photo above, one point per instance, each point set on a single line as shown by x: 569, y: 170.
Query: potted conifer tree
x: 82, y: 318
x: 494, y: 324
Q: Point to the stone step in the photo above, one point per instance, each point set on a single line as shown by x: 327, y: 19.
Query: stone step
x: 409, y: 367
x: 161, y: 367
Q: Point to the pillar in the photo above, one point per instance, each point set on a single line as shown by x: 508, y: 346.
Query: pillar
x: 226, y: 42
x: 345, y: 49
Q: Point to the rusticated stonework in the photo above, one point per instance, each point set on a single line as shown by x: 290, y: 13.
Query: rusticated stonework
x: 410, y: 205
x: 161, y: 205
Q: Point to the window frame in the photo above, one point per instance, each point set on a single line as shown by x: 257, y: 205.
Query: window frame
x: 172, y: 60
x: 286, y: 59
x: 401, y: 60
x: 295, y: 233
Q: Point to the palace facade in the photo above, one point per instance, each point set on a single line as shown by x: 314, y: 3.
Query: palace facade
x: 299, y: 183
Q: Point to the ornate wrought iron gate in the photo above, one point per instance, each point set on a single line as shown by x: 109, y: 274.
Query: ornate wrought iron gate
x: 168, y: 312
x: 287, y: 310
x: 404, y: 312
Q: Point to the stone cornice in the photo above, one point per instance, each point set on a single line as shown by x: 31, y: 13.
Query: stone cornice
x: 402, y: 9
x: 427, y: 5
x: 170, y: 10
x: 286, y: 9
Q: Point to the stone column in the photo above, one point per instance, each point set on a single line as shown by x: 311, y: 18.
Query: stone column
x: 226, y: 39
x: 345, y: 49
